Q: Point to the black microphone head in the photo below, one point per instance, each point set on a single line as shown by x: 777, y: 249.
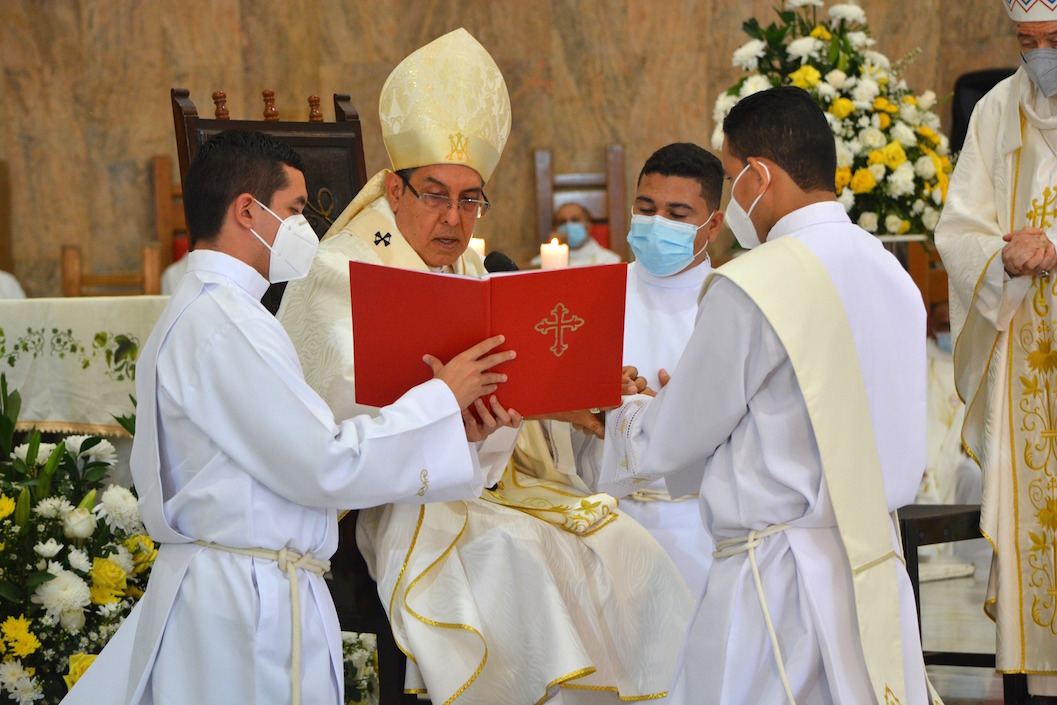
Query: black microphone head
x: 498, y: 262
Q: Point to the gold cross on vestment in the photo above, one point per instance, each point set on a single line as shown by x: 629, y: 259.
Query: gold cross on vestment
x: 559, y: 321
x: 1042, y: 215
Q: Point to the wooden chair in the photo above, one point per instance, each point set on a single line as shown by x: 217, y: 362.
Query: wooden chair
x: 78, y: 281
x: 334, y: 173
x: 7, y: 258
x: 333, y: 152
x: 170, y: 223
x: 601, y: 193
x: 926, y: 269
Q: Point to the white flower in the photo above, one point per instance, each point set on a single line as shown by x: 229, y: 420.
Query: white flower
x: 837, y: 78
x: 66, y: 591
x: 717, y: 137
x: 72, y: 620
x: 945, y: 143
x: 877, y: 171
x: 846, y: 199
x: 43, y: 452
x: 901, y: 181
x: 868, y: 221
x: 826, y: 91
x: 794, y: 4
x: 123, y: 558
x: 937, y: 197
x: 864, y: 92
x: 51, y: 507
x: 754, y: 84
x: 859, y: 40
x: 103, y: 451
x: 930, y: 217
x: 10, y: 672
x: 117, y: 508
x: 25, y: 691
x: 925, y: 167
x: 748, y: 55
x: 848, y: 13
x: 893, y: 223
x: 877, y: 59
x: 909, y: 113
x: 918, y: 208
x: 927, y: 100
x: 48, y: 549
x: 78, y: 524
x: 723, y: 105
x: 872, y: 138
x: 79, y: 560
x: 804, y: 48
x: 845, y: 156
x: 902, y: 134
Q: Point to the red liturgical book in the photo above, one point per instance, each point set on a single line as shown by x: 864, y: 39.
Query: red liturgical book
x: 566, y: 325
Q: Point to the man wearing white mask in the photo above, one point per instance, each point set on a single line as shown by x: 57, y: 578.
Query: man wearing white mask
x: 537, y: 590
x: 996, y: 237
x: 797, y: 411
x: 674, y: 218
x: 572, y: 225
x: 241, y: 468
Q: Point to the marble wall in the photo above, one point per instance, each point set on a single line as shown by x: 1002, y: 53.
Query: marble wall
x: 84, y: 89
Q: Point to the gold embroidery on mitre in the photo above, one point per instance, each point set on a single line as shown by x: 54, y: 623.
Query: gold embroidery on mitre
x: 559, y: 321
x: 424, y: 476
x: 460, y: 145
x: 890, y: 697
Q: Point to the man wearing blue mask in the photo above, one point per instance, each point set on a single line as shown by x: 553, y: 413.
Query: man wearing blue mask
x: 996, y: 237
x: 572, y: 225
x: 675, y: 216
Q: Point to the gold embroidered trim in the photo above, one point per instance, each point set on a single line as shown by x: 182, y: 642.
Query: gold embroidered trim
x: 611, y: 689
x: 561, y: 679
x: 90, y: 429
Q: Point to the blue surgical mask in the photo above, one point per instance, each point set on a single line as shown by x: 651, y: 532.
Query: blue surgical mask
x: 664, y: 247
x: 575, y: 233
x: 943, y: 341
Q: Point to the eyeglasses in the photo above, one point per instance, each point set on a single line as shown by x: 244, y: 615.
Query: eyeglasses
x: 436, y: 202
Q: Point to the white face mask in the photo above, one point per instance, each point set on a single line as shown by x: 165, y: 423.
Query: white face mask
x: 738, y: 220
x: 292, y: 250
x: 1041, y: 65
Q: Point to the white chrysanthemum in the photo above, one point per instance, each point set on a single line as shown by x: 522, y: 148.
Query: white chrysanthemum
x: 723, y: 105
x: 123, y: 558
x: 52, y: 507
x: 876, y: 58
x: 927, y: 100
x: 859, y: 40
x: 848, y: 13
x: 804, y: 48
x: 11, y: 671
x: 717, y: 137
x: 748, y: 55
x: 864, y: 92
x: 925, y: 167
x: 868, y: 221
x: 846, y: 199
x: 930, y: 217
x: 877, y: 171
x: 79, y: 560
x: 909, y: 113
x: 26, y: 691
x: 944, y: 145
x: 837, y: 78
x: 836, y: 125
x: 937, y: 197
x: 903, y: 134
x: 901, y: 181
x: 43, y: 452
x: 845, y: 156
x: 918, y: 208
x: 893, y: 223
x: 872, y: 138
x: 103, y: 452
x: 48, y: 549
x: 794, y: 4
x: 754, y: 84
x: 117, y: 508
x: 66, y: 591
x: 826, y: 91
x: 931, y: 120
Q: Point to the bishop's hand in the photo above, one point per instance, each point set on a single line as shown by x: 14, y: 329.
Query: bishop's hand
x: 1028, y: 253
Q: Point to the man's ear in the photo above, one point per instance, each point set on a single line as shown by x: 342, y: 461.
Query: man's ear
x: 394, y: 189
x: 764, y: 169
x: 242, y: 210
x: 715, y: 225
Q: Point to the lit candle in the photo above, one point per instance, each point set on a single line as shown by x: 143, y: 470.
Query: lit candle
x: 477, y: 245
x: 554, y: 255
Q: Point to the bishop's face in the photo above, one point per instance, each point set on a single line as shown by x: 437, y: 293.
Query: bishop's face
x: 438, y: 234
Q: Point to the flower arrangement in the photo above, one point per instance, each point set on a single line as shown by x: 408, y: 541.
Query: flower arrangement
x: 360, y: 655
x: 71, y: 568
x: 892, y: 159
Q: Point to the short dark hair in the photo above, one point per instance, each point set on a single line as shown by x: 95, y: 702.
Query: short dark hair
x: 688, y: 160
x: 228, y: 164
x: 786, y: 126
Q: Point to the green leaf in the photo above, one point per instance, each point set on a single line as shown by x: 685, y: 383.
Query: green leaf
x: 89, y: 443
x: 10, y: 592
x: 38, y: 578
x: 96, y: 474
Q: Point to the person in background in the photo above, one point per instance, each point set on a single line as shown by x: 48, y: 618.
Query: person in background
x: 572, y: 226
x: 9, y: 287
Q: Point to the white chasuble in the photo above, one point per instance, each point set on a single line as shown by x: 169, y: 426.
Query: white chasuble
x: 761, y: 426
x: 1005, y: 359
x: 535, y: 586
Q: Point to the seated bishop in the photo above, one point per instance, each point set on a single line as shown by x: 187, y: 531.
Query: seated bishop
x: 538, y: 591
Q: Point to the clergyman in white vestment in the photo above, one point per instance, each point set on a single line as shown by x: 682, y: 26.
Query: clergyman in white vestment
x: 538, y: 589
x: 996, y: 237
x: 241, y: 468
x: 572, y: 226
x: 797, y: 410
x: 675, y: 216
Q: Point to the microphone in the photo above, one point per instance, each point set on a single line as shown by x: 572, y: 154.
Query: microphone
x: 498, y: 262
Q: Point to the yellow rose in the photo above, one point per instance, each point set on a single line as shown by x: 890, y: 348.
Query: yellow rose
x: 904, y: 227
x: 7, y: 505
x: 79, y: 663
x: 928, y: 133
x: 107, y: 575
x: 143, y: 552
x: 820, y: 32
x: 807, y: 76
x: 841, y: 108
x: 134, y: 592
x: 843, y: 177
x: 884, y: 120
x: 893, y: 155
x: 103, y: 595
x: 875, y: 157
x: 862, y: 181
x: 883, y: 105
x: 910, y: 100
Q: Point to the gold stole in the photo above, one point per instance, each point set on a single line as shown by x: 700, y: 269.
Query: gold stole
x: 807, y: 311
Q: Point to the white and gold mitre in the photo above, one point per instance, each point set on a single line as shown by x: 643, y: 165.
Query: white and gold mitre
x: 1031, y: 10
x: 446, y: 103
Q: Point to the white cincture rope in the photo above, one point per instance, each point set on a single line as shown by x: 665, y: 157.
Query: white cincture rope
x: 749, y: 542
x: 289, y: 562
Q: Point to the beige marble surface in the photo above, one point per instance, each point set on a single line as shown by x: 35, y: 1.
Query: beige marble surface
x: 84, y: 89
